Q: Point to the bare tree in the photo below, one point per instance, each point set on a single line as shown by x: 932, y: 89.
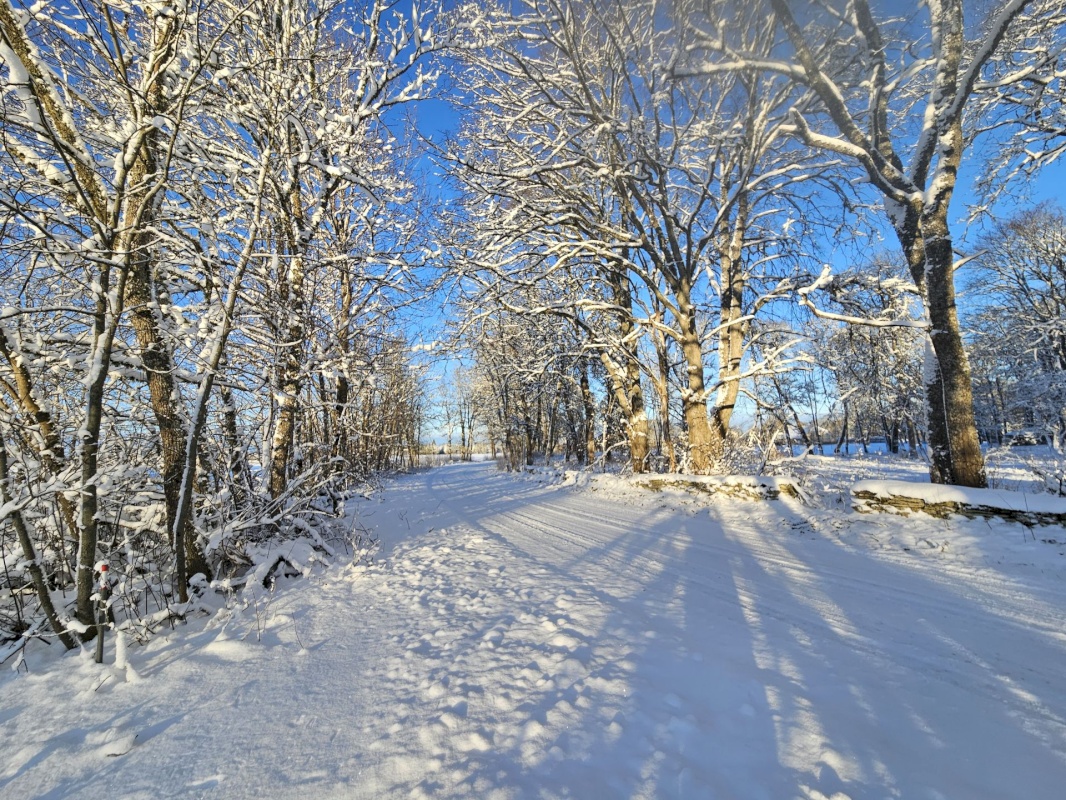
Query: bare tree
x: 586, y: 153
x: 91, y: 167
x: 891, y: 97
x: 168, y: 171
x: 877, y: 368
x: 1020, y: 113
x: 1020, y: 274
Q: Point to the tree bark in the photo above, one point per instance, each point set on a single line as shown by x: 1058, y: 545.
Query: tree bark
x: 156, y: 357
x: 289, y: 378
x: 662, y: 385
x: 954, y: 443
x: 49, y: 445
x: 732, y: 333
x: 626, y: 376
x: 694, y: 397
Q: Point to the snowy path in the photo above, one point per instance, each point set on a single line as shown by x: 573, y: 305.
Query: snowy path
x: 520, y: 640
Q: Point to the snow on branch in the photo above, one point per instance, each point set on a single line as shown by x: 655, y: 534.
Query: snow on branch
x: 824, y: 281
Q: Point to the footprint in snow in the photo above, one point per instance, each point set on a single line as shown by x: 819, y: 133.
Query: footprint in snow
x: 449, y: 720
x: 112, y: 743
x: 435, y: 692
x: 206, y: 783
x: 474, y: 742
x: 564, y: 642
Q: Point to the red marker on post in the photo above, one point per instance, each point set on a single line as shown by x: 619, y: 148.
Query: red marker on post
x: 103, y: 594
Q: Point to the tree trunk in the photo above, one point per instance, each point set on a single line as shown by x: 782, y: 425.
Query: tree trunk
x: 626, y: 376
x: 732, y: 329
x: 637, y: 422
x: 289, y: 382
x: 48, y: 444
x: 238, y: 469
x: 955, y: 445
x: 693, y: 398
x: 527, y: 431
x: 156, y: 358
x: 912, y: 439
x: 783, y: 419
x: 662, y: 386
x: 842, y: 442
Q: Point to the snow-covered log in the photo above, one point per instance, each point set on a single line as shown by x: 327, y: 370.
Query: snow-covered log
x: 741, y: 487
x: 905, y: 497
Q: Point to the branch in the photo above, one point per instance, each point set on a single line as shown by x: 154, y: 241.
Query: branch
x: 823, y: 280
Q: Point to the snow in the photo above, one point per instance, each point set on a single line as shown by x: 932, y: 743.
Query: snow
x: 557, y: 635
x: 714, y: 481
x: 984, y: 498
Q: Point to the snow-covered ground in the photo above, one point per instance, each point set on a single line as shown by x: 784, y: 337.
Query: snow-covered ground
x: 552, y: 636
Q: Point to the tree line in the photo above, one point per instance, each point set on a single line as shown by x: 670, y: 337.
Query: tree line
x: 667, y: 181
x: 206, y: 230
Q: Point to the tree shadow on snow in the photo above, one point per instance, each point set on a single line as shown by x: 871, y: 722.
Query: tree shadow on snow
x: 748, y: 661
